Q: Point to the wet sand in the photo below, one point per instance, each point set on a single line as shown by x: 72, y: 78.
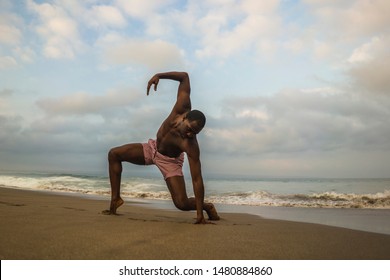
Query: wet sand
x: 40, y: 225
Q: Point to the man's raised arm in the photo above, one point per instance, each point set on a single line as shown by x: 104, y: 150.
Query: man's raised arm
x: 181, y: 77
x: 183, y: 103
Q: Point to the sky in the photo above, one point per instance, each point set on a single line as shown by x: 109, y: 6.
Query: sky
x: 289, y: 88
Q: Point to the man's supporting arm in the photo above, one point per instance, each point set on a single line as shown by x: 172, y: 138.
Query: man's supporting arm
x: 198, y: 186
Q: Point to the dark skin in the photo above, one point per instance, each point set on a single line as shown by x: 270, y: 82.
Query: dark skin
x: 176, y: 135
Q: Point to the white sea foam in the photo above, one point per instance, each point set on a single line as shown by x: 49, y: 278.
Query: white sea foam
x: 257, y: 193
x: 379, y: 200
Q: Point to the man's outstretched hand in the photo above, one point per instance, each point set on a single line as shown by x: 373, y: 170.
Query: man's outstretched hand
x: 153, y: 81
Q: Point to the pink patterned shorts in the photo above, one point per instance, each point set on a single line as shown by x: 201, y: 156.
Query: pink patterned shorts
x: 168, y: 166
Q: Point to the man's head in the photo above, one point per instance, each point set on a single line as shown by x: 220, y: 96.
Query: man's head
x: 192, y: 124
x: 197, y: 116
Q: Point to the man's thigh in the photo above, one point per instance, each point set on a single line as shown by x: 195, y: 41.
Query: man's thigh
x: 132, y: 153
x: 177, y: 187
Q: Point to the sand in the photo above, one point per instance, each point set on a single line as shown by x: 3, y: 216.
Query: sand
x: 40, y: 225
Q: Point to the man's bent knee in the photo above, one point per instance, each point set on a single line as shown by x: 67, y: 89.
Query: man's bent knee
x: 182, y: 205
x: 112, y: 155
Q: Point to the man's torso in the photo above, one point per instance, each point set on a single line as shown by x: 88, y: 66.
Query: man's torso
x: 169, y: 141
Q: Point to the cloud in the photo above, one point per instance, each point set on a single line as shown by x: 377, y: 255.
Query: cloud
x: 12, y: 38
x: 154, y: 15
x: 7, y: 62
x: 299, y: 121
x: 329, y: 29
x: 79, y: 126
x: 105, y: 16
x: 323, y: 96
x: 370, y: 66
x: 83, y: 104
x: 215, y: 28
x: 10, y: 33
x: 142, y: 9
x: 4, y: 104
x: 58, y: 30
x: 373, y: 76
x: 369, y: 16
x: 6, y: 92
x: 346, y: 20
x: 365, y: 52
x: 228, y: 27
x: 9, y: 127
x: 157, y: 54
x: 25, y: 54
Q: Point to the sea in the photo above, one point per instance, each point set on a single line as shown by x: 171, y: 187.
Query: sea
x: 362, y: 204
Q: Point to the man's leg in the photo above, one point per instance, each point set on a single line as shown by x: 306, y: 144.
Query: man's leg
x: 176, y: 186
x: 132, y: 153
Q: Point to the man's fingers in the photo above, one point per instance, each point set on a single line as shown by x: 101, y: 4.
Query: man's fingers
x: 150, y: 83
x: 203, y: 222
x: 148, y: 88
x: 153, y: 81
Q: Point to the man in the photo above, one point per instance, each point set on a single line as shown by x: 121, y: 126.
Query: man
x: 176, y: 136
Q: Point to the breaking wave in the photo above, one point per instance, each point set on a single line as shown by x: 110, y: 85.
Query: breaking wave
x: 156, y: 189
x: 380, y: 200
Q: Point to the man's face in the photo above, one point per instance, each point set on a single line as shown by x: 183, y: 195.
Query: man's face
x: 189, y: 129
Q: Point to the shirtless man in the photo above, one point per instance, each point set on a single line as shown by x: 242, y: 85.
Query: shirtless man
x: 176, y: 136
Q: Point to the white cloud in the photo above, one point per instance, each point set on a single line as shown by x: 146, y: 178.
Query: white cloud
x: 10, y: 126
x: 329, y: 29
x: 367, y: 52
x: 232, y: 27
x: 83, y: 103
x: 25, y: 54
x: 57, y: 29
x: 7, y: 62
x: 157, y: 16
x: 344, y: 20
x: 105, y: 16
x: 9, y: 34
x: 12, y: 39
x: 300, y: 121
x: 337, y: 51
x: 366, y: 17
x: 259, y: 7
x: 295, y: 45
x: 155, y: 54
x: 142, y: 9
x: 6, y: 92
x: 361, y: 54
x: 254, y: 114
x: 370, y: 65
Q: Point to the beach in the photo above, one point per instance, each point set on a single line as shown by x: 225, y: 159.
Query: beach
x: 42, y: 225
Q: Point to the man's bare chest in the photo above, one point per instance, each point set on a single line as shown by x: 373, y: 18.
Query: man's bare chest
x: 169, y: 142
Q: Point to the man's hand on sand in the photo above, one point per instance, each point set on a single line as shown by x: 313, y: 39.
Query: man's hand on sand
x: 202, y: 221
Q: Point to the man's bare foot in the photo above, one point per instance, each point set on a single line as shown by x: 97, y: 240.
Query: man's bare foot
x: 211, y: 212
x: 115, y: 204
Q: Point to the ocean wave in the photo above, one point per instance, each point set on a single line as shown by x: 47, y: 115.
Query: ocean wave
x: 156, y: 189
x: 380, y: 200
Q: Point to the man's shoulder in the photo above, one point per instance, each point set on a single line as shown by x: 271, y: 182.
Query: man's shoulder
x: 173, y: 118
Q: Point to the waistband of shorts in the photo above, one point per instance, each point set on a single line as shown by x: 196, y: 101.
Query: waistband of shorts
x: 154, y: 144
